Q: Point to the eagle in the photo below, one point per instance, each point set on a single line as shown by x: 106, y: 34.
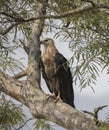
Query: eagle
x: 56, y: 72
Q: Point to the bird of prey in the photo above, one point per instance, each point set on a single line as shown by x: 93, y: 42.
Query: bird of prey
x: 56, y: 72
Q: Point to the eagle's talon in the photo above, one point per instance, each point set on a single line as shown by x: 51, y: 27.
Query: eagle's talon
x: 57, y: 99
x: 54, y: 97
x: 50, y: 96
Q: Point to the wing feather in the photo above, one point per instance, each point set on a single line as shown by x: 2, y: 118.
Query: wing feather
x: 64, y: 76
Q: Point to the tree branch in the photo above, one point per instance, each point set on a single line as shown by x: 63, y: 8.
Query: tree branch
x: 24, y: 123
x: 65, y: 116
x: 76, y: 11
x: 96, y: 110
x: 41, y: 107
x: 12, y: 87
x: 9, y: 28
x: 95, y: 113
x: 20, y: 75
x: 71, y: 12
x: 62, y: 15
x: 24, y: 47
x: 12, y: 16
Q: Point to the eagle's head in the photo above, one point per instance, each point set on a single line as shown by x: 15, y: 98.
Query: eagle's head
x: 47, y: 42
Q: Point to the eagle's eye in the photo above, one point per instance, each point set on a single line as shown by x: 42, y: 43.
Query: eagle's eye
x: 46, y: 40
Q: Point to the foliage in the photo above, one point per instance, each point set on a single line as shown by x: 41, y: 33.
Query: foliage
x: 10, y: 15
x: 107, y: 117
x: 11, y: 115
x: 103, y: 126
x: 8, y: 62
x: 41, y: 124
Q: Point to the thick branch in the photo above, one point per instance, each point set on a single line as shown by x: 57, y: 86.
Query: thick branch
x: 58, y: 112
x: 12, y: 87
x: 40, y: 107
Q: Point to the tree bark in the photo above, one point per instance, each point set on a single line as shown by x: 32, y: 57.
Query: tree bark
x: 13, y: 87
x: 29, y: 92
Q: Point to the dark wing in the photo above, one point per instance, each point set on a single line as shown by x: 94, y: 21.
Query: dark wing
x: 65, y: 79
x: 44, y: 75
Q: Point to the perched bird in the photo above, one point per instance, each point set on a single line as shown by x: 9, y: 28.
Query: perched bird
x: 56, y: 72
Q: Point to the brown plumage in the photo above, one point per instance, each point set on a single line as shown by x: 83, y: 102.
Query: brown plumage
x: 56, y: 72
